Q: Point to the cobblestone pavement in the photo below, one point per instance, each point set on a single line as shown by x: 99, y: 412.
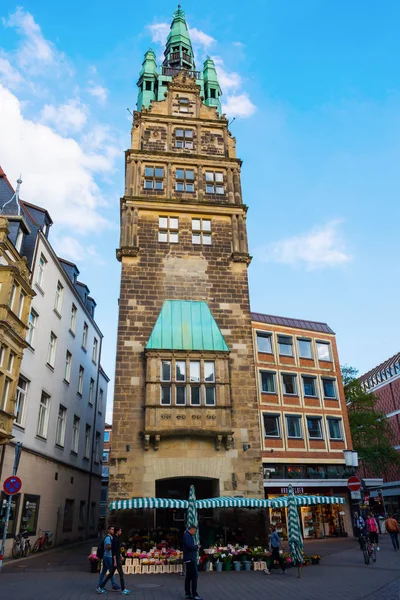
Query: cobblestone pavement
x: 63, y: 575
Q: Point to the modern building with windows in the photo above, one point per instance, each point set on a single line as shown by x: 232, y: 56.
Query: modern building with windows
x: 60, y: 398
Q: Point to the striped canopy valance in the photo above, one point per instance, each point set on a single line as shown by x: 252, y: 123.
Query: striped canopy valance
x: 224, y: 502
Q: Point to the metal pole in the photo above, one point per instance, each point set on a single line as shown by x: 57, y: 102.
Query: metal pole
x: 17, y: 456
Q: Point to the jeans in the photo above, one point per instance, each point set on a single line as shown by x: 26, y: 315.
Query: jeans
x: 275, y: 556
x: 107, y: 566
x: 394, y: 536
x: 191, y: 578
x: 111, y: 576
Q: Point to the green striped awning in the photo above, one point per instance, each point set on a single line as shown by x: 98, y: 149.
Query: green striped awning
x: 148, y: 503
x: 232, y: 502
x: 305, y: 501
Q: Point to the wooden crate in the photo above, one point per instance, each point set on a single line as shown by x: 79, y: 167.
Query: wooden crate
x: 137, y: 569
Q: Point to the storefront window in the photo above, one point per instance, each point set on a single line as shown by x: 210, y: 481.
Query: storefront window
x: 30, y: 513
x: 278, y: 518
x: 12, y: 522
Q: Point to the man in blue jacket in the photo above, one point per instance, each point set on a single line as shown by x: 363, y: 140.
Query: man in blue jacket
x: 190, y: 559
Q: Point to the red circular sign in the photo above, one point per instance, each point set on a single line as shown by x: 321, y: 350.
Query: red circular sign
x: 12, y: 485
x: 353, y: 483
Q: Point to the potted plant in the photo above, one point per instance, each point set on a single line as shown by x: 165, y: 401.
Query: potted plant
x: 315, y: 559
x: 307, y: 560
x: 94, y: 562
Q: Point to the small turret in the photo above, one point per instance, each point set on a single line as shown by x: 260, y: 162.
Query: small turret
x: 178, y: 51
x: 212, y: 90
x: 148, y: 80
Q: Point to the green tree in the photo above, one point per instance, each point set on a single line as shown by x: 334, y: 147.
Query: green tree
x: 371, y: 432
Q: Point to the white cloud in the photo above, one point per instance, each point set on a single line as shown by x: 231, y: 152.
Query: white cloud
x: 320, y: 248
x: 227, y: 80
x: 8, y: 75
x: 72, y: 249
x: 58, y: 172
x: 66, y: 118
x: 99, y: 92
x: 159, y: 32
x: 238, y: 105
x: 200, y: 38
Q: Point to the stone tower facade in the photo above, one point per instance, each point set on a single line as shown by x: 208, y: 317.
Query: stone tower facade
x: 185, y: 403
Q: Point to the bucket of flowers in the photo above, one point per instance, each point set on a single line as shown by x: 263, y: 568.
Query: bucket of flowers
x: 227, y: 561
x: 94, y: 562
x: 315, y: 559
x: 307, y: 560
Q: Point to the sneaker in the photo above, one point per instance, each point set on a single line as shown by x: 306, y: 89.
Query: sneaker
x: 267, y: 572
x: 197, y: 598
x: 378, y: 548
x: 125, y: 592
x: 116, y: 588
x: 101, y: 590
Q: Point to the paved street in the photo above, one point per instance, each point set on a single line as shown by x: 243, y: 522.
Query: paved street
x: 63, y: 575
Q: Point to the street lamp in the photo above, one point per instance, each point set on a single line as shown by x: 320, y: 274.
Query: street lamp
x: 351, y: 458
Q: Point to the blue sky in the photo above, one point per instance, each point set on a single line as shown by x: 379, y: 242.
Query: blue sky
x: 315, y: 89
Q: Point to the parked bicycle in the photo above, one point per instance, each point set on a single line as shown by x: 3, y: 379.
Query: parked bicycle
x: 368, y: 549
x: 43, y: 541
x: 22, y: 545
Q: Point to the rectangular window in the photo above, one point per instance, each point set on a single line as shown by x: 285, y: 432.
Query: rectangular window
x: 194, y: 370
x: 20, y: 405
x: 165, y: 370
x: 184, y: 180
x: 11, y: 359
x: 97, y: 448
x: 6, y: 391
x: 210, y: 395
x: 88, y: 430
x: 195, y: 395
x: 201, y: 231
x: 85, y: 334
x: 264, y: 342
x: 180, y: 395
x: 75, y: 434
x: 184, y: 138
x: 165, y: 395
x: 94, y: 350
x: 100, y: 402
x: 271, y: 425
x: 305, y: 348
x: 41, y: 270
x: 168, y: 230
x: 267, y: 382
x: 214, y: 182
x: 105, y: 456
x: 91, y: 391
x: 289, y: 383
x: 43, y: 418
x: 183, y: 104
x: 2, y: 354
x: 68, y: 363
x: 106, y: 436
x: 314, y: 428
x: 51, y: 351
x: 285, y: 345
x: 60, y: 428
x: 21, y: 304
x: 293, y: 426
x: 33, y: 320
x: 81, y: 519
x: 80, y: 380
x: 309, y: 386
x: 154, y: 178
x: 329, y: 387
x: 324, y: 351
x: 335, y: 428
x: 72, y: 322
x: 13, y: 294
x: 180, y: 368
x: 68, y: 520
x: 58, y: 298
x: 209, y: 371
x: 30, y: 513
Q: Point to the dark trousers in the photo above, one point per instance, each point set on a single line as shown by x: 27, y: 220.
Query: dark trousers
x: 394, y: 536
x: 191, y: 578
x: 277, y: 557
x: 111, y: 573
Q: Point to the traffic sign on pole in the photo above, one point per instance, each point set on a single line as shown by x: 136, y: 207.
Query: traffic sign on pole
x: 354, y: 483
x: 12, y: 485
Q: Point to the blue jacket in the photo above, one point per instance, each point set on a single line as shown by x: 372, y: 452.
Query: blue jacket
x: 189, y: 547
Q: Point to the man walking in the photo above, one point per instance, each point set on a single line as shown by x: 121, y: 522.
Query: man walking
x: 107, y: 559
x: 392, y: 527
x: 116, y: 564
x: 190, y: 559
x: 275, y: 542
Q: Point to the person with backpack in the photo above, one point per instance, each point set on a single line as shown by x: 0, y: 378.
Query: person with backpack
x: 104, y: 552
x: 372, y: 528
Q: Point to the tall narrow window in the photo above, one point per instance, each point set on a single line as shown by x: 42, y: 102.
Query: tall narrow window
x: 85, y: 335
x: 75, y: 434
x: 100, y: 402
x: 168, y: 229
x: 293, y: 426
x: 68, y: 363
x: 180, y: 395
x: 314, y: 427
x: 60, y: 428
x: 21, y: 304
x: 6, y: 391
x: 180, y: 366
x: 214, y: 182
x: 154, y: 178
x: 43, y: 418
x: 268, y: 382
x: 11, y: 359
x: 91, y: 391
x: 309, y: 386
x: 41, y: 270
x: 335, y: 428
x: 289, y: 383
x: 97, y: 448
x: 285, y: 345
x: 19, y: 240
x: 329, y: 387
x: 305, y: 348
x: 184, y: 138
x: 184, y: 180
x: 72, y: 322
x: 58, y: 297
x: 94, y: 350
x: 165, y: 394
x: 201, y: 231
x: 22, y: 390
x: 194, y: 370
x: 30, y: 336
x: 88, y: 430
x: 271, y: 425
x: 80, y: 380
x: 209, y: 371
x: 51, y: 351
x: 165, y: 370
x: 13, y: 295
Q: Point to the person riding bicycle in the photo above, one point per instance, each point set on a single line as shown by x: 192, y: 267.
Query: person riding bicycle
x: 362, y: 529
x: 372, y: 528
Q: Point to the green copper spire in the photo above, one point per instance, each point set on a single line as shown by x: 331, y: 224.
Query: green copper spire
x: 212, y: 90
x: 147, y: 83
x: 178, y: 51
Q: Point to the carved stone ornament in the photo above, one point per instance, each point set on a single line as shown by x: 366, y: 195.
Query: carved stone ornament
x: 229, y: 442
x: 218, y: 442
x: 146, y: 444
x: 241, y: 257
x: 156, y: 442
x: 127, y: 251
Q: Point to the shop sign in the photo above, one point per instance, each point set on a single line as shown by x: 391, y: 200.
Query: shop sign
x: 355, y: 495
x: 296, y: 490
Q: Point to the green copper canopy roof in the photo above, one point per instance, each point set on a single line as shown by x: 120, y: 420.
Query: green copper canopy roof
x: 186, y: 325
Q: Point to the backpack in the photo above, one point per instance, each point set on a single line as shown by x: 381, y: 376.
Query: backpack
x: 100, y: 550
x: 371, y: 524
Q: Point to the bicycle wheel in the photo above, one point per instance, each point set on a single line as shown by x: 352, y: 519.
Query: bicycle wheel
x: 37, y: 546
x: 16, y: 550
x: 366, y: 555
x: 27, y: 548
